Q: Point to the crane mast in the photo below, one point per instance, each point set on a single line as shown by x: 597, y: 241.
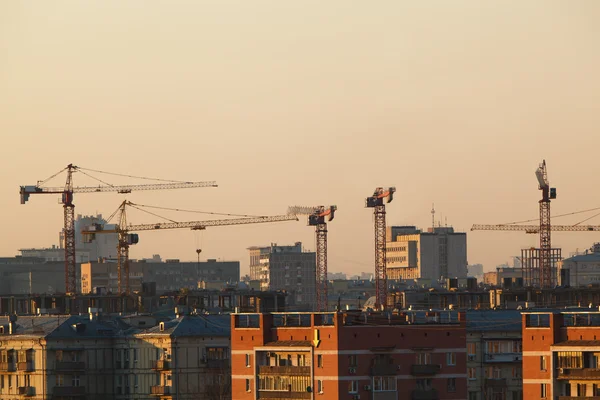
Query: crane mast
x: 377, y: 201
x: 318, y: 217
x: 69, y: 208
x: 546, y: 277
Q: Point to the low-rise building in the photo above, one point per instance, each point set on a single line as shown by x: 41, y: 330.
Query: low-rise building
x: 349, y: 355
x: 581, y: 270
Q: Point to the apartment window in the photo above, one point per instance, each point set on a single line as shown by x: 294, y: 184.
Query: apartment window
x: 450, y: 358
x: 135, y: 381
x: 570, y: 359
x: 1, y: 382
x: 543, y: 364
x: 247, y: 360
x: 517, y: 346
x: 60, y: 380
x: 353, y: 361
x: 423, y: 358
x: 135, y: 355
x: 472, y: 373
x: 473, y: 396
x: 516, y: 372
x: 384, y: 384
x: 319, y: 386
x: 247, y: 385
x: 543, y: 390
x: 424, y: 384
x: 319, y: 361
x: 75, y: 381
x: 517, y: 395
x: 352, y: 386
x: 471, y: 349
x: 451, y: 385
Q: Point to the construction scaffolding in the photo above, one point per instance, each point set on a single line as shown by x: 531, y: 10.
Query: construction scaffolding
x: 530, y: 261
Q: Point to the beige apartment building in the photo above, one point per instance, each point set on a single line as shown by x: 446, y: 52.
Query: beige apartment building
x: 437, y: 254
x: 95, y: 357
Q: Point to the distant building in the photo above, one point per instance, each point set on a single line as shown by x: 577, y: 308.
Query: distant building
x: 286, y: 268
x: 336, y: 276
x: 475, y: 270
x: 436, y: 254
x: 104, y: 246
x: 25, y: 275
x: 169, y: 276
x: 366, y: 276
x: 349, y: 355
x: 581, y: 270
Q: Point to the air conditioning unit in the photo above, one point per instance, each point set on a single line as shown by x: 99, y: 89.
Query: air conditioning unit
x: 398, y: 367
x: 517, y: 358
x: 352, y: 370
x: 367, y: 387
x: 356, y: 397
x: 471, y: 357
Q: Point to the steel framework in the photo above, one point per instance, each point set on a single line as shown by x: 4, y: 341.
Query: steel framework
x: 531, y: 260
x: 318, y: 217
x: 377, y: 203
x: 69, y: 208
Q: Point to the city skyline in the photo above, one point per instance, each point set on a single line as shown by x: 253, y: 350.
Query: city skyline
x: 279, y: 104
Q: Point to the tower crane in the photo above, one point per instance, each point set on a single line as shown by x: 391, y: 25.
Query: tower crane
x: 543, y: 229
x: 377, y: 201
x: 318, y: 217
x: 126, y: 238
x: 69, y: 208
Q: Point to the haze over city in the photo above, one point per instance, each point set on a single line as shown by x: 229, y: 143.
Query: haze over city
x: 281, y: 103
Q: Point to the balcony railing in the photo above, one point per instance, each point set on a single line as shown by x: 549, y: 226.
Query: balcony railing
x: 68, y: 391
x: 26, y: 391
x: 384, y: 369
x: 224, y: 364
x: 503, y: 357
x: 282, y: 395
x: 425, y: 369
x: 7, y: 367
x: 495, y: 382
x: 420, y: 394
x: 585, y: 373
x: 287, y: 370
x: 161, y: 365
x: 160, y: 390
x: 25, y: 366
x: 70, y: 366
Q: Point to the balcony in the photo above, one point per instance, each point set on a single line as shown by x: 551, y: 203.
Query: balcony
x: 161, y: 365
x: 68, y: 391
x: 25, y: 366
x: 420, y: 394
x: 65, y: 366
x: 26, y: 391
x: 220, y: 364
x: 503, y: 357
x: 425, y: 369
x: 384, y: 369
x: 585, y: 373
x: 160, y: 390
x: 287, y: 370
x: 8, y: 367
x: 495, y: 383
x: 282, y: 395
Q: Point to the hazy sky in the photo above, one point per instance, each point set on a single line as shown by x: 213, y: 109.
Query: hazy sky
x: 312, y: 102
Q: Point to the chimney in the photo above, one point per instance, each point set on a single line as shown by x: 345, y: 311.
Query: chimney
x: 161, y: 326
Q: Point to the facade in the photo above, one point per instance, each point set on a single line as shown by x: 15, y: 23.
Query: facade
x: 81, y: 357
x: 171, y: 275
x: 494, y: 355
x: 286, y: 268
x: 26, y: 275
x: 437, y: 254
x: 475, y: 271
x: 581, y: 270
x: 349, y: 355
x: 560, y: 355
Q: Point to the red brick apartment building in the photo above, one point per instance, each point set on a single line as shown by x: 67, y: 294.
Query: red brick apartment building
x: 349, y: 355
x: 561, y: 355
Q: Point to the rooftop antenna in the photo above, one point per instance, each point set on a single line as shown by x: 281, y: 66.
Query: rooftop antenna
x: 432, y: 217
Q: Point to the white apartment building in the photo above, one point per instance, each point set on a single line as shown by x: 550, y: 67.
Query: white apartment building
x: 581, y: 270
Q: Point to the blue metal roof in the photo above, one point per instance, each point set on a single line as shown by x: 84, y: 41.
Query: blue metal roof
x: 494, y: 320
